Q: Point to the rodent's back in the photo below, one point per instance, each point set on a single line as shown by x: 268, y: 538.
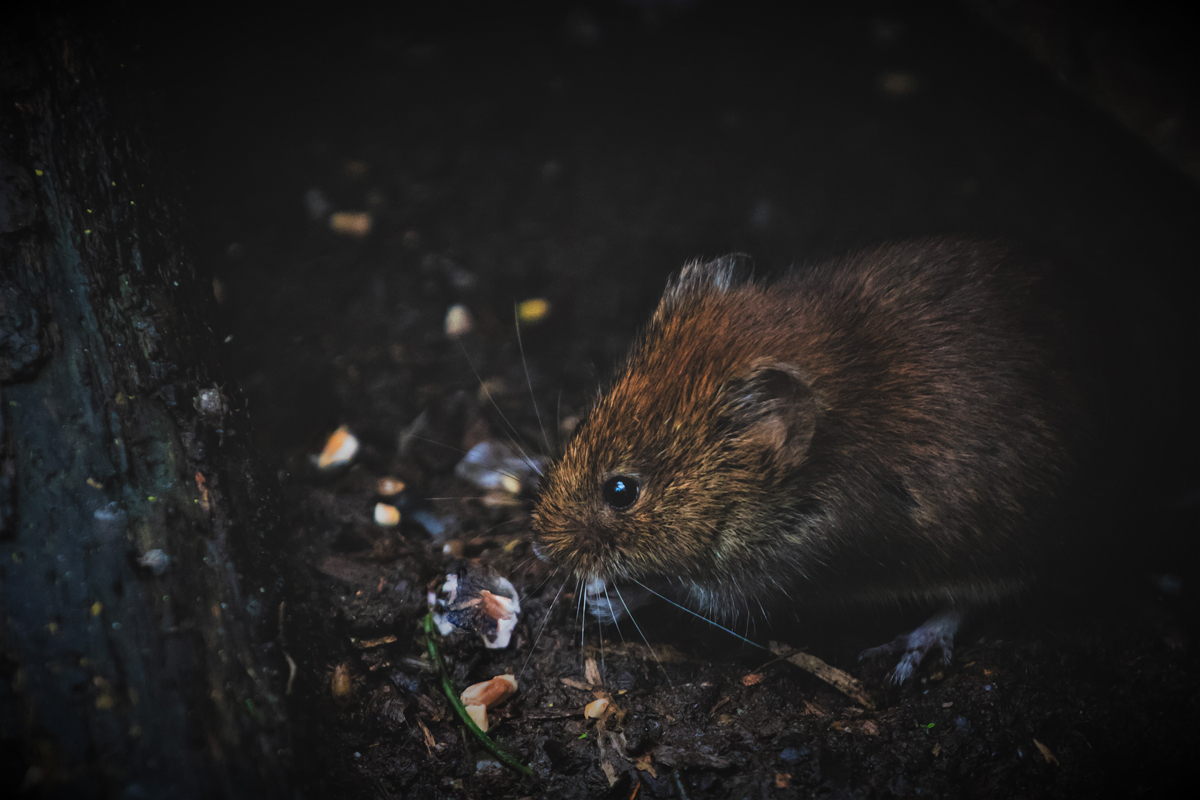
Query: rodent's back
x: 900, y: 422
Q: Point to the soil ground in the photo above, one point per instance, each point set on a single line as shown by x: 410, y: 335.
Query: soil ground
x: 580, y: 154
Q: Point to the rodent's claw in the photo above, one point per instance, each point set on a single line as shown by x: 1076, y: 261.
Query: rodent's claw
x: 936, y: 632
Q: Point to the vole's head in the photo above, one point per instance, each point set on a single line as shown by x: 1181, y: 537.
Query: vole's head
x: 671, y: 474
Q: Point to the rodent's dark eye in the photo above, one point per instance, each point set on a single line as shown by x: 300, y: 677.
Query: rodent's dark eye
x: 621, y: 491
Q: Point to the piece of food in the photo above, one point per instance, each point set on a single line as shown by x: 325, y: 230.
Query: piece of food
x: 387, y: 515
x: 340, y: 449
x: 490, y: 693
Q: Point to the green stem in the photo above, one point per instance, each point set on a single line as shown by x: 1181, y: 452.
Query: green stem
x: 448, y: 687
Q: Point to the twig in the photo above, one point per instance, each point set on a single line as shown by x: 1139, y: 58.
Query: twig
x: 842, y: 681
x: 448, y: 687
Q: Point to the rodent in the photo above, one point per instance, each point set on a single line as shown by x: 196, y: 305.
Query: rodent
x: 905, y: 422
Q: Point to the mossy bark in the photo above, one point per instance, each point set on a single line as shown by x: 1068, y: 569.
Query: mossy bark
x: 140, y: 645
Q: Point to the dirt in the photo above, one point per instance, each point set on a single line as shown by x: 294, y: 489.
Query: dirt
x: 580, y: 154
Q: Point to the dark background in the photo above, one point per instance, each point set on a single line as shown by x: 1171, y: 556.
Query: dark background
x: 581, y: 153
x: 551, y: 148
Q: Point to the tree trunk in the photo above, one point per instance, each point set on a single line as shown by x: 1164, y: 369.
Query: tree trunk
x: 141, y: 648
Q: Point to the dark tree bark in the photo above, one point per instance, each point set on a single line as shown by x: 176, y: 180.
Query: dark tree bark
x: 140, y: 646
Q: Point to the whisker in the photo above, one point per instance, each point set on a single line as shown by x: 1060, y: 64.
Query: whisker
x: 542, y: 629
x: 558, y: 424
x: 694, y: 614
x: 462, y: 452
x: 528, y: 461
x: 638, y: 628
x: 615, y: 621
x: 600, y: 631
x: 528, y: 380
x: 582, y: 631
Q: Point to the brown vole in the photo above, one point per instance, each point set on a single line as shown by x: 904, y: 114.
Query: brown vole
x: 902, y: 423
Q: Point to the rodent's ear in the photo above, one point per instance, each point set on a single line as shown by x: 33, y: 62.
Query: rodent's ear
x: 719, y: 275
x: 772, y: 407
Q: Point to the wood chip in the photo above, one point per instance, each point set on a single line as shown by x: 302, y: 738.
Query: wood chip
x: 367, y: 644
x: 865, y: 726
x: 430, y: 742
x: 752, y: 679
x: 1046, y: 754
x: 842, y: 681
x: 591, y: 672
x: 574, y: 684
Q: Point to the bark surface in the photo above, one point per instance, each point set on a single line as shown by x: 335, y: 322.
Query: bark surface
x: 140, y: 646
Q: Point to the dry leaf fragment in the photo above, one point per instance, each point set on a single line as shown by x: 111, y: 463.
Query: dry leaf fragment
x: 838, y: 679
x: 1046, y: 754
x: 782, y: 779
x: 591, y: 672
x: 643, y: 763
x: 490, y: 693
x: 752, y: 679
x: 430, y: 742
x: 367, y: 644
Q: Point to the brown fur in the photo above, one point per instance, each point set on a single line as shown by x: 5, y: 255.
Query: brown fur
x: 898, y: 423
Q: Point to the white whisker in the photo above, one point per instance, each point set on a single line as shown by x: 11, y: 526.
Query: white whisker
x: 542, y: 629
x: 462, y: 452
x: 638, y: 628
x: 529, y: 381
x: 510, y: 427
x: 698, y: 616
